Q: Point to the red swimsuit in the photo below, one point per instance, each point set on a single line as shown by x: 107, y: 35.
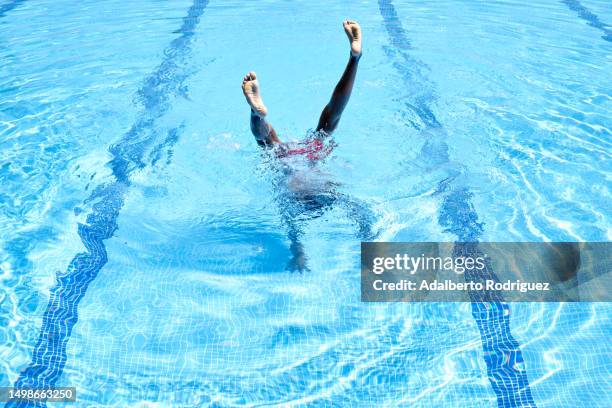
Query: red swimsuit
x: 314, y: 149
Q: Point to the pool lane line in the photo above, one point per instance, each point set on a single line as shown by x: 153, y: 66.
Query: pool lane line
x: 9, y: 6
x: 590, y: 18
x: 49, y: 354
x: 502, y: 354
x: 410, y: 69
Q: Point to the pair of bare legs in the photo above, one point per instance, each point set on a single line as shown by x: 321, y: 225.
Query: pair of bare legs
x: 330, y: 117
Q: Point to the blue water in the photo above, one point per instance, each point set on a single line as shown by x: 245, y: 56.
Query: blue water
x: 144, y: 241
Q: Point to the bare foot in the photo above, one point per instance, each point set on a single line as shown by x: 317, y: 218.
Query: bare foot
x: 353, y: 31
x: 250, y: 88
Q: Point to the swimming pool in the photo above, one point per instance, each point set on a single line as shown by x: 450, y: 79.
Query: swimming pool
x: 143, y: 248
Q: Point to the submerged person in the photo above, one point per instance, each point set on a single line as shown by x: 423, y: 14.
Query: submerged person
x: 309, y: 194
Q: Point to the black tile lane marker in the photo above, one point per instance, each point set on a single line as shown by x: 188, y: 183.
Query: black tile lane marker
x: 9, y: 6
x: 591, y: 19
x: 49, y: 355
x: 502, y: 354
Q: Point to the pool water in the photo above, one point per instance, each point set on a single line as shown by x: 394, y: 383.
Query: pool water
x: 143, y: 248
